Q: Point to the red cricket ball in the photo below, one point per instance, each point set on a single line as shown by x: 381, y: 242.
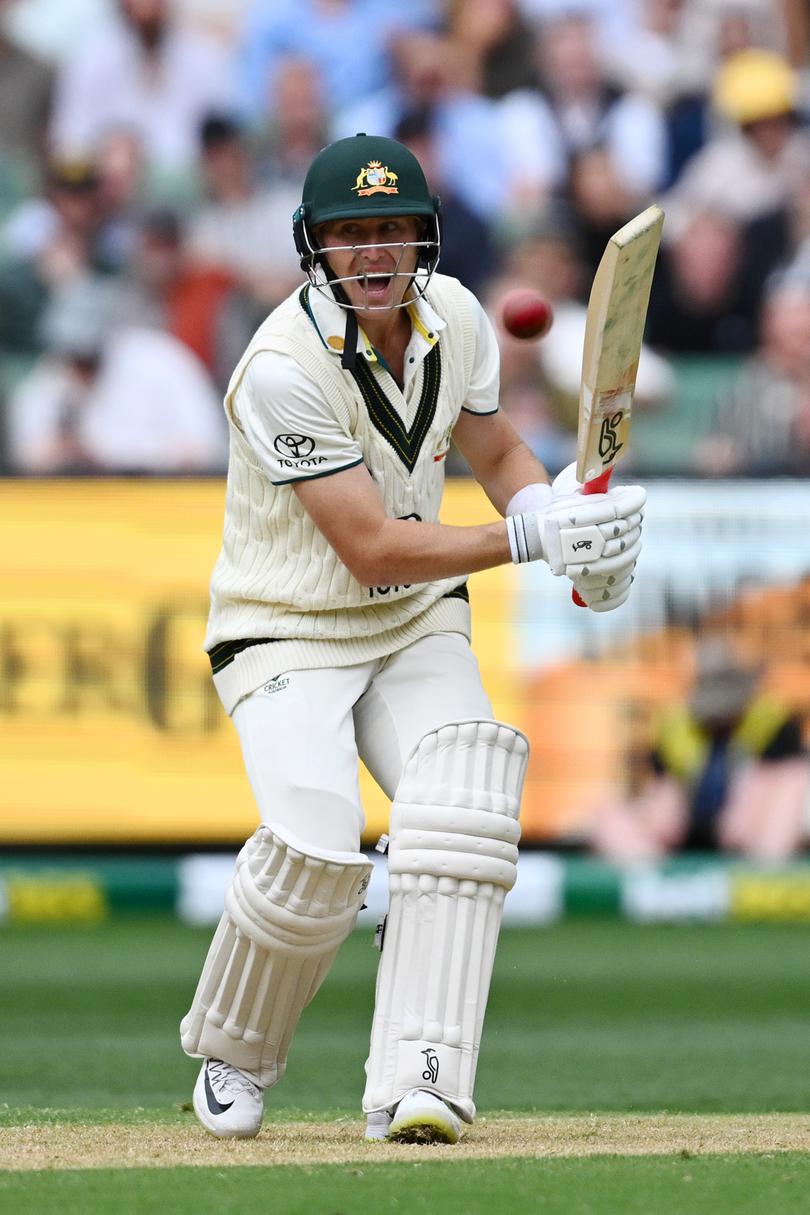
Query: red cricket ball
x: 525, y: 313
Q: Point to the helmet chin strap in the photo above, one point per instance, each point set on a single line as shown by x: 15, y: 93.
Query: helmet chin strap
x: 348, y: 358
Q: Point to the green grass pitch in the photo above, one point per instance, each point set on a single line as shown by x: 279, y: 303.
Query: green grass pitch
x: 586, y: 1017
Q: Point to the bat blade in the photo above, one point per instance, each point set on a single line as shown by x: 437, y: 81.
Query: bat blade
x: 617, y: 312
x: 614, y: 328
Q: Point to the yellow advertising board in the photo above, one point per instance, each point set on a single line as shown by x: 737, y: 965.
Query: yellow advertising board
x: 110, y: 729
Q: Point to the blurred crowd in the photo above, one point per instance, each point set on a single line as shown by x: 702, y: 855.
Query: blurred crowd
x: 725, y: 769
x: 152, y: 153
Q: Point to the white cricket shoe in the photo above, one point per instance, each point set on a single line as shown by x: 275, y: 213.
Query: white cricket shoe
x: 377, y: 1124
x: 227, y: 1102
x: 422, y: 1117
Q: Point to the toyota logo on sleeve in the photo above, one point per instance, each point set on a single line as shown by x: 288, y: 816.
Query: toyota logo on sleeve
x: 294, y: 447
x: 295, y: 451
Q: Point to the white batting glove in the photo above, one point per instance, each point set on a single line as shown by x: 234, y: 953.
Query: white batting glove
x: 538, y: 495
x: 593, y: 539
x: 566, y: 482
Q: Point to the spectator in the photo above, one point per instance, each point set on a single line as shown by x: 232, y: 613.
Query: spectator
x: 727, y: 771
x: 348, y: 40
x: 592, y: 113
x: 698, y: 53
x: 763, y: 425
x: 613, y: 141
x: 652, y: 61
x: 50, y: 29
x: 760, y: 157
x: 498, y: 157
x: 168, y: 291
x: 112, y: 400
x: 295, y: 126
x: 711, y: 31
x: 614, y: 24
x: 500, y: 38
x: 48, y: 242
x: 122, y: 191
x: 143, y: 72
x: 25, y: 99
x: 703, y: 300
x: 468, y: 250
x: 242, y: 230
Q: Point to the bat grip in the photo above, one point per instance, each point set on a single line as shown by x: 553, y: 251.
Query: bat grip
x: 599, y: 485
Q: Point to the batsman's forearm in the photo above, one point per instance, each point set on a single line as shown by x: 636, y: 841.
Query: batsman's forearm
x: 404, y: 551
x: 512, y: 472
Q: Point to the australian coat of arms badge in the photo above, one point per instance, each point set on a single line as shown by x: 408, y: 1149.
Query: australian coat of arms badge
x: 375, y: 178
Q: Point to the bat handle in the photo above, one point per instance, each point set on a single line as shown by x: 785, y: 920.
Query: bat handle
x: 599, y: 485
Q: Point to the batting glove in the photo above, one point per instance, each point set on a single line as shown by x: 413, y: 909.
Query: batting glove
x: 594, y: 540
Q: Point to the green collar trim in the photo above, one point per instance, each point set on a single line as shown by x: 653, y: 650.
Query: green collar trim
x: 303, y: 299
x: 406, y: 443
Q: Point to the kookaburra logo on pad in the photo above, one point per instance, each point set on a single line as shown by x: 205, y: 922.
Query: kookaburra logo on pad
x: 376, y: 178
x: 431, y: 1071
x: 586, y: 544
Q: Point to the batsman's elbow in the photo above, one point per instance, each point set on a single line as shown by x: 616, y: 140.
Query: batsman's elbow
x: 363, y: 565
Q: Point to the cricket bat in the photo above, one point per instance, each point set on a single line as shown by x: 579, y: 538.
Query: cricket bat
x: 614, y: 328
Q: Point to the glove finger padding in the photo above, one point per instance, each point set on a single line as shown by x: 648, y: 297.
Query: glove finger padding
x: 615, y: 548
x: 606, y: 598
x: 620, y: 527
x: 605, y: 571
x: 628, y: 499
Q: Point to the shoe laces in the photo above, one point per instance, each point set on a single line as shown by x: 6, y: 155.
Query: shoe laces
x: 228, y: 1079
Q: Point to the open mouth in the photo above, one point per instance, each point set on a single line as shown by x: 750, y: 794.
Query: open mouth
x: 377, y: 284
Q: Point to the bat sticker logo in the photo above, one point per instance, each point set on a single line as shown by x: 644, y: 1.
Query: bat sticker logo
x: 609, y: 445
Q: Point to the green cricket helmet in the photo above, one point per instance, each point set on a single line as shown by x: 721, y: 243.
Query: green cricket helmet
x: 366, y: 176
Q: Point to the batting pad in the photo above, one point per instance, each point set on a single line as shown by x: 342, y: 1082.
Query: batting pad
x: 287, y: 911
x: 452, y: 858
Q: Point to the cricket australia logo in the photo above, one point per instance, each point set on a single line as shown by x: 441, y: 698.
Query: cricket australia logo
x: 376, y: 178
x: 609, y: 445
x: 431, y: 1071
x: 277, y: 684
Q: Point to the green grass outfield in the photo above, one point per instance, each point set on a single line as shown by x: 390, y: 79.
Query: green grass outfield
x: 609, y: 1025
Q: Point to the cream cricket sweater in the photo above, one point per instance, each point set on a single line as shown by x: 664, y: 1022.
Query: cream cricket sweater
x: 281, y: 599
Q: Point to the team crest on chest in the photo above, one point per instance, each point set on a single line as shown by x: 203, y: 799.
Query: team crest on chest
x: 376, y: 178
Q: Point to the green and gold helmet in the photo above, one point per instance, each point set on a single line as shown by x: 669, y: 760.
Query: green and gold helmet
x: 366, y: 176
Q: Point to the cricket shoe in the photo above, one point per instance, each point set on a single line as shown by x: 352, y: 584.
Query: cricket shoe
x: 422, y: 1117
x: 227, y: 1102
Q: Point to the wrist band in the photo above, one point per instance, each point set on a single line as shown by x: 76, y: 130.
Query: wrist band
x: 516, y: 531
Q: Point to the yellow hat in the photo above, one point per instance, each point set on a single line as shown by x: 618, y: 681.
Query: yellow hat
x: 755, y: 84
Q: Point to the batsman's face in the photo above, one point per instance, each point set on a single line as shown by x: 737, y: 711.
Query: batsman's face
x: 376, y: 258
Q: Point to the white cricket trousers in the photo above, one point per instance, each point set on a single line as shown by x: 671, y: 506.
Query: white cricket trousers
x: 302, y: 732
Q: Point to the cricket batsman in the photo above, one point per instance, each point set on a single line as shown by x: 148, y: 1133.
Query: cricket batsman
x: 340, y: 628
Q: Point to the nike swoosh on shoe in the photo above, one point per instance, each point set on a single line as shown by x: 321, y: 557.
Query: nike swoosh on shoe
x: 214, y: 1106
